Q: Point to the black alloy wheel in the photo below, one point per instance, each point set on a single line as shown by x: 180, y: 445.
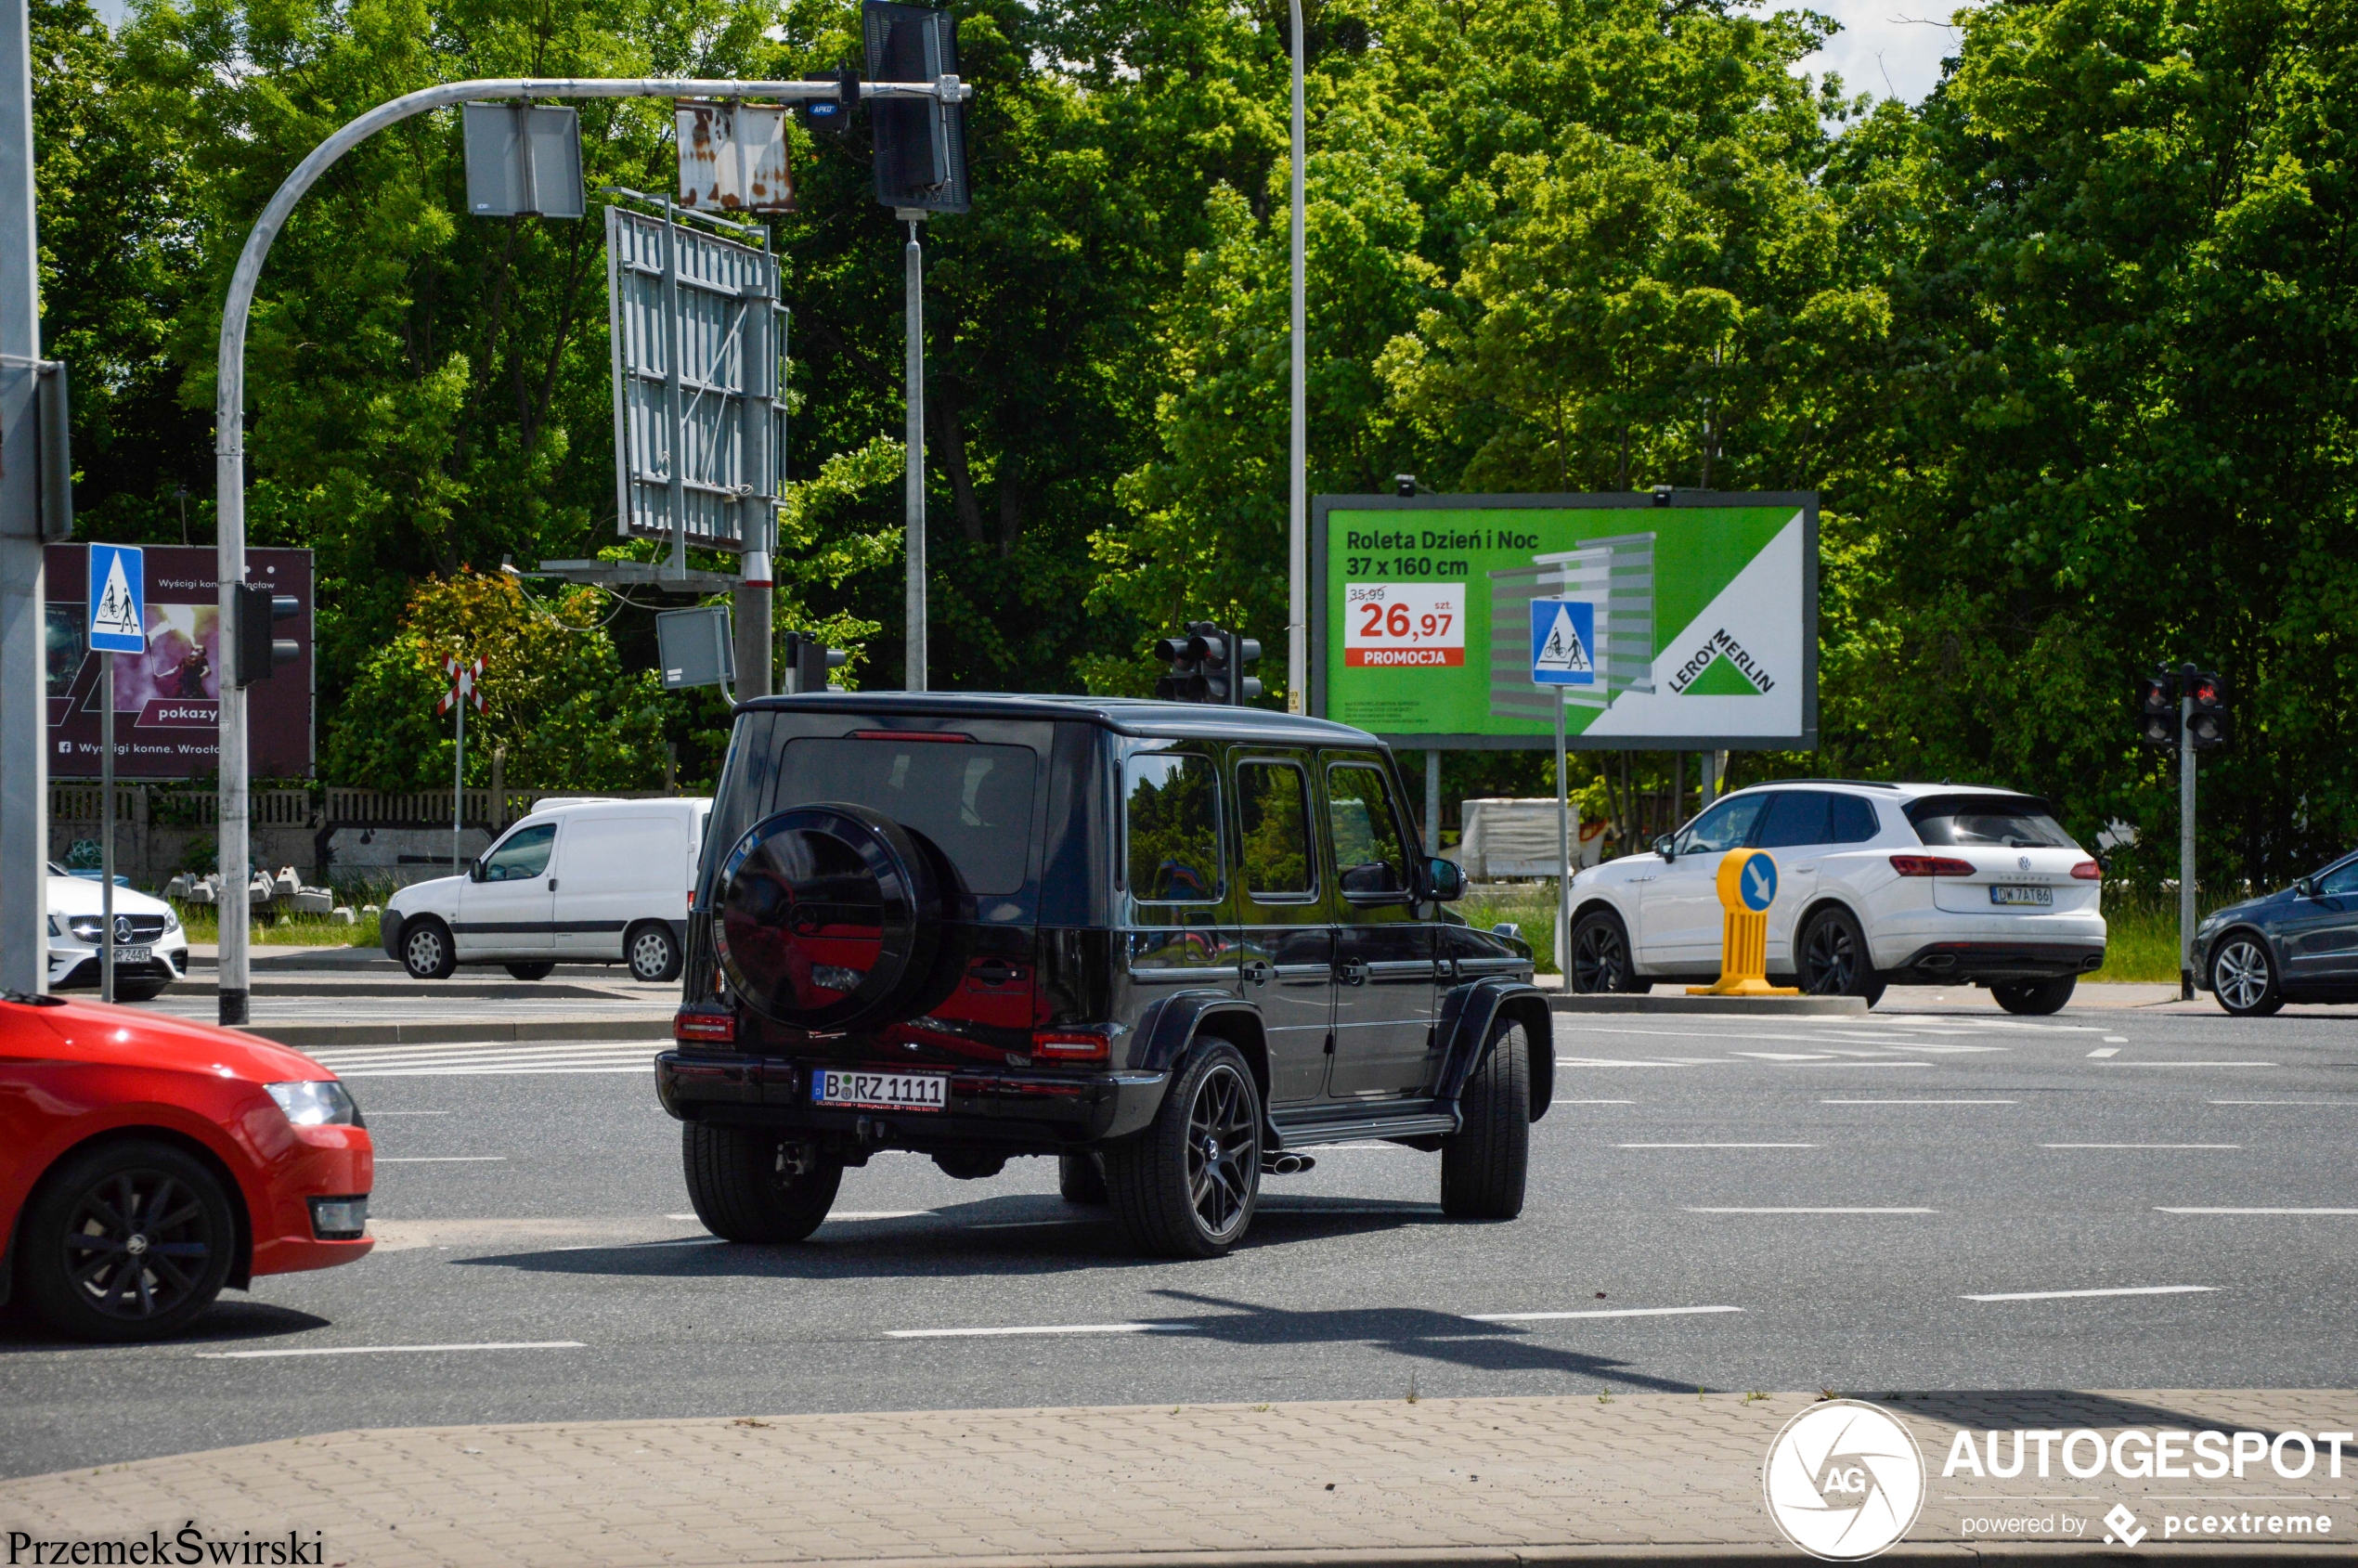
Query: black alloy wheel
x: 654, y: 954
x: 127, y: 1241
x: 1834, y: 958
x: 2244, y: 978
x: 1187, y: 1186
x: 1600, y: 963
x: 427, y: 950
x: 2035, y: 998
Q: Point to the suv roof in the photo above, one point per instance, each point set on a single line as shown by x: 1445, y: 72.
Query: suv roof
x: 1906, y: 791
x: 1124, y: 715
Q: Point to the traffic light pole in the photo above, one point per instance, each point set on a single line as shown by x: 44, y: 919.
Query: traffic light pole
x: 230, y: 457
x: 912, y: 509
x: 2186, y: 837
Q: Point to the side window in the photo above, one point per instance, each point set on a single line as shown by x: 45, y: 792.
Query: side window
x: 2341, y: 879
x: 1725, y: 826
x: 1273, y: 807
x: 1796, y: 816
x: 1170, y: 824
x: 523, y: 855
x: 1368, y: 856
x: 1851, y: 820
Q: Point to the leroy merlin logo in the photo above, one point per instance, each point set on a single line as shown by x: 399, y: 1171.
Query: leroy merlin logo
x: 1721, y: 668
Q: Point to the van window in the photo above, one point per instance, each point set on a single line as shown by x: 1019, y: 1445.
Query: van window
x: 523, y: 855
x: 1171, y: 821
x: 1273, y: 807
x: 974, y: 802
x: 1368, y: 856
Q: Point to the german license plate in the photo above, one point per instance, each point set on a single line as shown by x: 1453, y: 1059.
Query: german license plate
x: 2013, y: 893
x: 134, y: 954
x: 881, y: 1091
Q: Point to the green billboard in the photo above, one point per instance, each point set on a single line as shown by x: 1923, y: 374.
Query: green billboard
x: 1683, y: 619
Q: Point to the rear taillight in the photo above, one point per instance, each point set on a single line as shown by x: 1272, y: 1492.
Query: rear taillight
x: 2087, y: 871
x: 707, y: 1029
x: 1069, y: 1045
x: 1930, y: 865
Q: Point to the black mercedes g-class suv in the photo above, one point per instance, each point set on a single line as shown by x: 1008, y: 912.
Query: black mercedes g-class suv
x: 1173, y: 945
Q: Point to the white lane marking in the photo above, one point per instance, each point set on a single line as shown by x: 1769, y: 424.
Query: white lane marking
x: 1715, y: 1145
x: 442, y: 1160
x: 517, y: 1053
x: 408, y: 1113
x: 1600, y: 1061
x: 2159, y: 1209
x: 1779, y: 1056
x: 1042, y: 1329
x: 381, y: 1350
x: 1615, y: 1312
x: 2284, y: 1102
x: 2116, y: 1039
x: 2192, y: 1064
x: 480, y: 1047
x: 1031, y: 1224
x: 1558, y: 1102
x: 1891, y: 1102
x: 487, y: 1070
x: 2141, y: 1145
x: 857, y: 1214
x: 2077, y: 1295
x: 1854, y: 1064
x: 2103, y: 1051
x: 1692, y: 1210
x: 624, y: 1246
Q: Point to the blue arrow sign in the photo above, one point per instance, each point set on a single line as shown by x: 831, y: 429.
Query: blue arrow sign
x: 1756, y: 885
x: 118, y: 599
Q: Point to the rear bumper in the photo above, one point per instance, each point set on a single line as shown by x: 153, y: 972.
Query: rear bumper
x: 1955, y: 961
x: 1037, y: 1111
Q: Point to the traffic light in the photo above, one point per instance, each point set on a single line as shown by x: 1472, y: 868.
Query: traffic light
x: 254, y: 654
x: 2157, y: 711
x: 808, y: 661
x: 1207, y: 666
x: 920, y: 143
x: 2207, y: 709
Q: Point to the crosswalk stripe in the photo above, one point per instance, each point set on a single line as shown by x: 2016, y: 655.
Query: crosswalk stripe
x: 485, y: 1070
x: 480, y: 1047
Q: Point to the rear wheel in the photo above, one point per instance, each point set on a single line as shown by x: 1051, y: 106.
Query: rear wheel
x: 653, y: 952
x: 1485, y: 1164
x: 1834, y: 959
x: 127, y: 1241
x: 1185, y: 1188
x: 1600, y: 961
x: 1082, y: 1180
x: 427, y: 950
x: 751, y: 1186
x: 531, y: 971
x: 2035, y: 998
x: 2244, y: 978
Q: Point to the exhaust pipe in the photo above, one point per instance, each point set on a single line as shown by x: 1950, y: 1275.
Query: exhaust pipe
x: 1289, y: 1164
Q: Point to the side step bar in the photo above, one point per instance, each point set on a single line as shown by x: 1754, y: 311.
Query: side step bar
x: 1309, y: 1129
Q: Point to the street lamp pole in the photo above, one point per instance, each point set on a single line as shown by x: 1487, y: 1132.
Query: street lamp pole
x: 229, y: 456
x: 1297, y: 441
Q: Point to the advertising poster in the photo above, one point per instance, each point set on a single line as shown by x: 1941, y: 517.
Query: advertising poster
x: 1457, y: 620
x: 167, y: 700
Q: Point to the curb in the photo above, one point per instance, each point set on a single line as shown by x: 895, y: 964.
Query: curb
x: 464, y: 1031
x: 1754, y: 1007
x: 300, y: 983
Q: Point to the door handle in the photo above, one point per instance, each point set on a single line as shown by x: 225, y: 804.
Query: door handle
x: 1351, y: 971
x: 552, y: 884
x: 1256, y: 972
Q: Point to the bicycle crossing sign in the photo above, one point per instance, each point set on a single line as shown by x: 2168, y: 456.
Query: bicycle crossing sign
x: 1563, y: 642
x: 118, y: 621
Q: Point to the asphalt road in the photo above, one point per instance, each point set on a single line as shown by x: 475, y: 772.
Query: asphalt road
x: 1788, y: 1204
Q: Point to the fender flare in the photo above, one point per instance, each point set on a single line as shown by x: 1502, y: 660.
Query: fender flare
x: 1468, y: 1015
x: 1171, y: 1024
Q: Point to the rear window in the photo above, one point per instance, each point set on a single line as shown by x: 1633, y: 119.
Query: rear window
x: 972, y: 802
x: 2012, y: 821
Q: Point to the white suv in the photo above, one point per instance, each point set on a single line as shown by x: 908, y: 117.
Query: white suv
x: 1877, y: 885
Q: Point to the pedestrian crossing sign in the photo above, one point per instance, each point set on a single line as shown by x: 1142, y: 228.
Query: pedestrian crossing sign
x: 118, y: 599
x: 1563, y: 642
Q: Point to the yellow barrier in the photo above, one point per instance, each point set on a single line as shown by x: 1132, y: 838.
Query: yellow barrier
x: 1747, y: 886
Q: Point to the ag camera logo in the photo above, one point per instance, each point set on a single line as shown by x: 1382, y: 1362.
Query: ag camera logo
x: 1844, y: 1480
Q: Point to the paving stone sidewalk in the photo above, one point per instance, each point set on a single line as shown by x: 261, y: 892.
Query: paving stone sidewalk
x: 1366, y: 1483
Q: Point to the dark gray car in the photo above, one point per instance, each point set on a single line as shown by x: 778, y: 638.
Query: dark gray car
x: 2300, y: 944
x: 1173, y: 945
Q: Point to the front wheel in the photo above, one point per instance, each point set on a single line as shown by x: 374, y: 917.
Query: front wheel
x: 2035, y: 998
x: 127, y: 1241
x: 427, y: 950
x: 2244, y: 978
x: 1601, y: 962
x: 1485, y: 1164
x: 1185, y: 1188
x: 1834, y: 958
x: 751, y: 1186
x: 654, y: 954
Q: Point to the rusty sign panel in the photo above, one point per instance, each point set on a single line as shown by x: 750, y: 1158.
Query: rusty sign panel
x: 733, y: 158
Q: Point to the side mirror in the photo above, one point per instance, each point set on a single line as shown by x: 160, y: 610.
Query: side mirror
x: 475, y: 870
x: 1507, y: 928
x: 2305, y: 889
x: 1666, y: 847
x: 1447, y: 878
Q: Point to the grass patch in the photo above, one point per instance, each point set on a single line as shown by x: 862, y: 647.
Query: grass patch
x: 1533, y: 907
x: 204, y: 925
x: 2141, y: 933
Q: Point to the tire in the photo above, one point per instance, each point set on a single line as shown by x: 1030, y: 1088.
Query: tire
x: 653, y: 953
x: 1600, y: 961
x: 1187, y: 1186
x: 427, y: 949
x: 2243, y: 976
x: 1485, y: 1164
x: 537, y: 970
x: 2035, y: 998
x: 1831, y: 957
x: 1082, y: 1180
x: 741, y: 1187
x: 108, y: 1206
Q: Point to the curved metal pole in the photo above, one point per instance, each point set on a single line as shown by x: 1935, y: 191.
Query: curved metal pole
x: 230, y: 457
x: 1296, y: 440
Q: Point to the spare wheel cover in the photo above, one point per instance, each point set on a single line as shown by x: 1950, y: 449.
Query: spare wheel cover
x: 828, y: 914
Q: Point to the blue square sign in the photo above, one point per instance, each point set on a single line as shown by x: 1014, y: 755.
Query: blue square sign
x: 1563, y: 642
x: 118, y: 599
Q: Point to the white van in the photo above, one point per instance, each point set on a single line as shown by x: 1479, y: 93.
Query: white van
x: 579, y: 881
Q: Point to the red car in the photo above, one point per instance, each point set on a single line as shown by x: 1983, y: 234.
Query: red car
x: 146, y: 1161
